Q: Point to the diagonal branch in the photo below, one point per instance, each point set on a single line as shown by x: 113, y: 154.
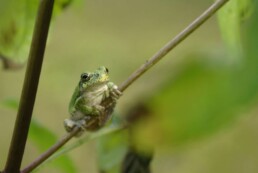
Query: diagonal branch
x: 50, y: 151
x: 173, y: 43
x: 30, y: 86
x: 152, y: 61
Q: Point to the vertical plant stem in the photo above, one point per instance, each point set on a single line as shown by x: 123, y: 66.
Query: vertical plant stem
x: 173, y: 43
x: 30, y: 86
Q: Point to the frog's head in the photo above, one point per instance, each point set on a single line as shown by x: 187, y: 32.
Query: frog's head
x: 90, y: 79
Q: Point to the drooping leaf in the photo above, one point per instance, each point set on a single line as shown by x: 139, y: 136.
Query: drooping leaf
x: 17, y: 20
x: 231, y: 18
x: 16, y: 26
x: 111, y: 150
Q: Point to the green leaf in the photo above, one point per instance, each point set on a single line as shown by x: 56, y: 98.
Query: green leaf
x: 111, y: 150
x: 102, y: 132
x: 17, y: 20
x: 231, y: 18
x: 43, y: 138
x: 199, y: 101
x: 16, y: 26
x: 10, y: 103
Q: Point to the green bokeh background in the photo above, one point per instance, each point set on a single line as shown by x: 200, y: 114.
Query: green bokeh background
x: 121, y: 35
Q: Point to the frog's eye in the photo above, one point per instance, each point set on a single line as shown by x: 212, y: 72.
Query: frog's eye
x: 106, y: 69
x: 85, y: 76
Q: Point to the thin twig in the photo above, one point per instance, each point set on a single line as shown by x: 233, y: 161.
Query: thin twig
x: 153, y: 60
x: 81, y: 141
x: 50, y: 151
x: 173, y: 43
x: 30, y: 86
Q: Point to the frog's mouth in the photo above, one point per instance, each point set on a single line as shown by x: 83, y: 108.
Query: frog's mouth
x: 103, y: 78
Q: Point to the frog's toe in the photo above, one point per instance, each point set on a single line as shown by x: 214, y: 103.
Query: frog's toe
x: 81, y: 124
x: 69, y: 125
x: 116, y: 90
x: 116, y: 94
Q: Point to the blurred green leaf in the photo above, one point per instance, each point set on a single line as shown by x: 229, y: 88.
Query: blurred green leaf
x: 252, y: 32
x: 10, y: 103
x: 17, y: 20
x: 16, y: 26
x: 231, y: 18
x: 102, y: 132
x: 44, y: 138
x: 198, y: 101
x: 204, y: 97
x: 111, y: 149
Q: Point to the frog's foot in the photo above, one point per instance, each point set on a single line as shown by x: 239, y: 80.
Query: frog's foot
x: 115, y: 93
x: 70, y: 124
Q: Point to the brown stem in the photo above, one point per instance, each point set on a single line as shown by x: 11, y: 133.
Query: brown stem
x: 30, y: 86
x: 50, y: 151
x: 173, y: 43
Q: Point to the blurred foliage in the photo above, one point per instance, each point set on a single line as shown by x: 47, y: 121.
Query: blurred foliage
x: 17, y: 19
x: 111, y: 148
x: 43, y: 138
x: 207, y: 94
x: 204, y: 96
x: 112, y: 143
x: 136, y: 162
x: 231, y: 19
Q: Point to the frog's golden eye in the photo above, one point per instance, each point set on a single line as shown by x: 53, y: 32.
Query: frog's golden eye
x: 106, y: 69
x: 85, y: 76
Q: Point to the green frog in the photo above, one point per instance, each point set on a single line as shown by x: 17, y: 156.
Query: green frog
x: 93, y: 101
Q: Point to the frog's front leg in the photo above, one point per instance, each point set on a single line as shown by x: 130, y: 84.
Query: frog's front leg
x: 86, y: 108
x: 114, y: 91
x: 82, y: 114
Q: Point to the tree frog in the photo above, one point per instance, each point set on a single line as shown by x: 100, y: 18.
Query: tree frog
x: 93, y: 101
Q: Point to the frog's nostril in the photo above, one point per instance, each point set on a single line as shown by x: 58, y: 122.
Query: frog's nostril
x: 106, y: 70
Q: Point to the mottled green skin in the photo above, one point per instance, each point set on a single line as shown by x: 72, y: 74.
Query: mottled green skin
x: 86, y: 107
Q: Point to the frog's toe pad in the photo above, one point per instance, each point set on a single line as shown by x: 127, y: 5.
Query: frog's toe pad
x: 115, y: 92
x: 69, y: 125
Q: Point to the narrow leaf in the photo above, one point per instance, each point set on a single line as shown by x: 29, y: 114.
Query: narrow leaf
x: 231, y: 18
